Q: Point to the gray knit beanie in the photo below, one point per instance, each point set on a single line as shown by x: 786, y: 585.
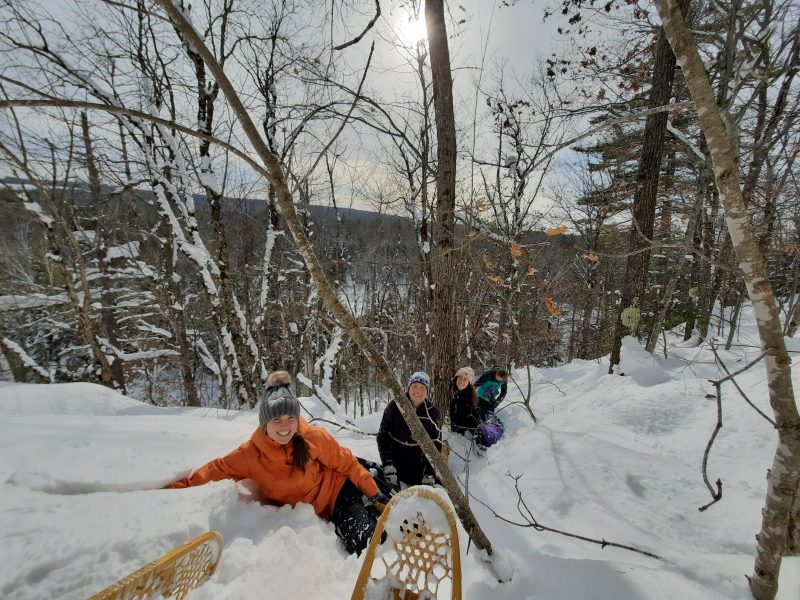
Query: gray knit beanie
x: 277, y: 399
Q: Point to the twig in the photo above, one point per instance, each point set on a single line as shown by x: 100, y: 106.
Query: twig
x: 523, y: 403
x: 530, y: 521
x: 136, y: 114
x: 716, y: 496
x: 347, y: 116
x: 349, y: 426
x: 731, y: 376
x: 617, y: 121
x: 560, y: 391
x: 366, y: 29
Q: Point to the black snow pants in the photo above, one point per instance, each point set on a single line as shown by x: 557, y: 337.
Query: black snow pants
x: 354, y: 521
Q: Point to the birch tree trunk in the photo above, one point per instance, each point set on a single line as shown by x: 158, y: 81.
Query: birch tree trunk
x: 793, y: 543
x: 782, y: 480
x: 273, y: 173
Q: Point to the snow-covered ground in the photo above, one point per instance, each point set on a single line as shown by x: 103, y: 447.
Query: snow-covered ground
x: 611, y: 457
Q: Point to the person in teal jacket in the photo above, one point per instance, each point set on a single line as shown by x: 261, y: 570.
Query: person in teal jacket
x: 491, y: 388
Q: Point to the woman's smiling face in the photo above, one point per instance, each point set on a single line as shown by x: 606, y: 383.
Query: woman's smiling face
x: 417, y: 392
x: 282, y: 429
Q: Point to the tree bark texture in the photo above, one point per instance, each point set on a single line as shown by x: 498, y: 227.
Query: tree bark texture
x: 443, y: 318
x: 782, y: 480
x: 644, y: 199
x: 273, y: 173
x: 793, y: 543
x: 107, y: 297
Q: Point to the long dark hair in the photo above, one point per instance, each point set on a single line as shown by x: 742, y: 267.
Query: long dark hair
x: 470, y: 391
x: 299, y: 452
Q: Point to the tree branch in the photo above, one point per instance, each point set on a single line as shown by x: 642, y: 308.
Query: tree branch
x: 730, y: 376
x: 530, y: 521
x: 346, y: 118
x: 366, y: 29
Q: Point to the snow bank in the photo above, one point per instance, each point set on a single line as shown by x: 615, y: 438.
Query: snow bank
x: 62, y: 399
x: 612, y: 457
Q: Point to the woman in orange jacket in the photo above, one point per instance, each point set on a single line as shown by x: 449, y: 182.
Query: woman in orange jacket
x: 292, y: 461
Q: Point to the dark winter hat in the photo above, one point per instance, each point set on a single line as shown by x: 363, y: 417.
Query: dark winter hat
x: 277, y: 400
x: 420, y: 377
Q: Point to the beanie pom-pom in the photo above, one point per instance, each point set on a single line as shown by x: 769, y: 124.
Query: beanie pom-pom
x: 279, y: 378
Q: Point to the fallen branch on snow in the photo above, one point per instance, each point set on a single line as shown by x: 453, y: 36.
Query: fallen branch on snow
x: 530, y: 521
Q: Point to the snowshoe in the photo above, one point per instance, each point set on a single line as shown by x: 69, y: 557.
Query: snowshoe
x: 175, y: 574
x: 414, y: 553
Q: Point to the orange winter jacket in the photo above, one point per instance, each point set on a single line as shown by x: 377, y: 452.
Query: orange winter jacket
x: 270, y: 465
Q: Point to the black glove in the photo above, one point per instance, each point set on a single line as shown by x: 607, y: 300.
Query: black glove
x: 380, y: 498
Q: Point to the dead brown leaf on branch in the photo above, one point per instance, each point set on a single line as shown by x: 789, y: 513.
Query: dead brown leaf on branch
x: 551, y: 306
x: 553, y: 231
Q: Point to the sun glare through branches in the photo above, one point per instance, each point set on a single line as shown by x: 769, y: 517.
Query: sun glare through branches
x: 412, y: 30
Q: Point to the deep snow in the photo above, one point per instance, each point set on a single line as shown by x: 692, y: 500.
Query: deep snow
x: 612, y: 457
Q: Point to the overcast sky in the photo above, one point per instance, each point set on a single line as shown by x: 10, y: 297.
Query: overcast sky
x: 482, y: 32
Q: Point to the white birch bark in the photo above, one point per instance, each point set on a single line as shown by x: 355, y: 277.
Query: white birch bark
x: 782, y: 479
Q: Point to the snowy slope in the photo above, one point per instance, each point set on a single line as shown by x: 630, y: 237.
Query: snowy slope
x: 612, y: 457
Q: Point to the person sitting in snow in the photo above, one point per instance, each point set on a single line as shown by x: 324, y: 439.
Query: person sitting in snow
x: 491, y: 388
x: 292, y: 461
x: 465, y: 411
x: 403, y: 460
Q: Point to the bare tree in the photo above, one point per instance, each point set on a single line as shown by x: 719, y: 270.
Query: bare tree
x: 443, y: 320
x: 273, y: 172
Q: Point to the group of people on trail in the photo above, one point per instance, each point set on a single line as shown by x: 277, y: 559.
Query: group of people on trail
x: 473, y: 403
x: 292, y: 461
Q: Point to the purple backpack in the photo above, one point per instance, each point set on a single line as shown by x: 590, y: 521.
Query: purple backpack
x: 490, y: 433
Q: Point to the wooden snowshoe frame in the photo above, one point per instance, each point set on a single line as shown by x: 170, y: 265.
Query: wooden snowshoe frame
x: 173, y: 575
x: 421, y: 560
